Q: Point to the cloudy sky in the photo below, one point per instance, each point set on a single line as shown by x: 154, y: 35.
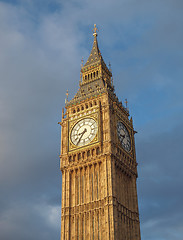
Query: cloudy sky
x: 42, y: 43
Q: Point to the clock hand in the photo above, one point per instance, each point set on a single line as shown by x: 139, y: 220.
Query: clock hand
x: 80, y: 133
x: 85, y: 130
x: 123, y: 136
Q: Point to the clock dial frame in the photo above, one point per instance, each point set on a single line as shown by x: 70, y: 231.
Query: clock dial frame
x: 124, y: 136
x: 83, y: 132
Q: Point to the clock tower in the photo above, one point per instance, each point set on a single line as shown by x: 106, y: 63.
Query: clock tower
x: 98, y: 161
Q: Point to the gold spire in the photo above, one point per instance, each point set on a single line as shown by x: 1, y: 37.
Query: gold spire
x: 95, y: 55
x: 95, y: 30
x: 95, y: 66
x: 67, y: 94
x: 82, y: 62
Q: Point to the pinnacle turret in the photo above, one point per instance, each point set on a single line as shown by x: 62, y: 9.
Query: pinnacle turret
x: 95, y: 55
x: 95, y: 66
x: 95, y: 78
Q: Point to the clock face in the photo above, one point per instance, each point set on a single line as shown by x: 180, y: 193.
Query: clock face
x: 84, y: 132
x: 124, y: 136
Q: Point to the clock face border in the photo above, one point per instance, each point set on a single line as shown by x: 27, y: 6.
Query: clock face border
x: 72, y: 123
x: 84, y: 131
x: 129, y: 135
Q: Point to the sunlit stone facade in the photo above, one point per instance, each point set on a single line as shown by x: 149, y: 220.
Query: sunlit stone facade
x: 98, y: 161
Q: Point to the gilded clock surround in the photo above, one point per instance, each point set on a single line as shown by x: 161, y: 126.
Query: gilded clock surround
x: 72, y: 123
x: 83, y: 132
x: 99, y: 195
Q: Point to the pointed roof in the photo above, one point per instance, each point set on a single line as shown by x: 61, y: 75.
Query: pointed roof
x: 95, y: 78
x: 95, y: 55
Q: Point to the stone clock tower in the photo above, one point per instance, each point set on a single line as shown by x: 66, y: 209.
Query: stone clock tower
x: 98, y: 162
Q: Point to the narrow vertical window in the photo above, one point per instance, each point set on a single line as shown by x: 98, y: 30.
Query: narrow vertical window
x: 82, y: 189
x: 78, y: 229
x: 92, y: 185
x: 78, y: 190
x: 97, y: 185
x: 82, y: 229
x: 88, y: 152
x: 97, y: 151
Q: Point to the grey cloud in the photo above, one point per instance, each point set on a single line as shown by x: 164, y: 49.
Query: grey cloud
x: 160, y: 183
x: 28, y: 224
x: 40, y: 59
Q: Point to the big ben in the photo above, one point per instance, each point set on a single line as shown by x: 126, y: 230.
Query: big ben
x: 98, y: 160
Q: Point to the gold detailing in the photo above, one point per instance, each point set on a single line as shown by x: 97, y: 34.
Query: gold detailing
x: 99, y: 196
x: 67, y: 94
x: 81, y: 72
x: 73, y: 122
x: 82, y: 62
x: 95, y: 30
x: 95, y: 67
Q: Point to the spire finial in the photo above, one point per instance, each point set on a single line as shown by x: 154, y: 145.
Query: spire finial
x: 81, y: 71
x: 82, y: 62
x: 67, y: 94
x: 95, y: 30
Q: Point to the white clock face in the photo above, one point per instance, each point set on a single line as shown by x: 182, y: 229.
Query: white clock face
x: 84, y: 132
x: 124, y: 136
